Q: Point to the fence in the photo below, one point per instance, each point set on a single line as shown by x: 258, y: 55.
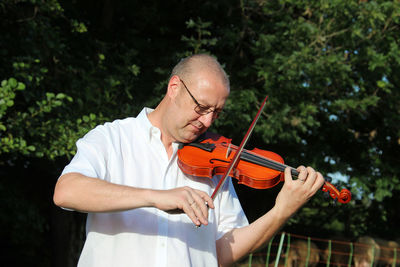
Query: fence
x: 290, y: 250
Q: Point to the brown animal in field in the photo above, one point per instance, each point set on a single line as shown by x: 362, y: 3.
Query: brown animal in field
x: 297, y: 255
x: 389, y: 250
x: 339, y: 253
x: 366, y: 252
x: 304, y: 252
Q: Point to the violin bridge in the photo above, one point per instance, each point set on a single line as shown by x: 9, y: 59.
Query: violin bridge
x: 228, y: 151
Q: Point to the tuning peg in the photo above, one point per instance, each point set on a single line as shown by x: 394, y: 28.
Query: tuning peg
x: 328, y: 179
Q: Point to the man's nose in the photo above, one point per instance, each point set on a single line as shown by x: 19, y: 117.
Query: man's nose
x: 207, y: 119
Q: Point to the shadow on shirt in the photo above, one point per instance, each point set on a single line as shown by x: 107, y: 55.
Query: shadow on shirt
x: 148, y: 224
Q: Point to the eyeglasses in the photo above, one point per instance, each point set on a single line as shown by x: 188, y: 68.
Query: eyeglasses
x: 202, y: 109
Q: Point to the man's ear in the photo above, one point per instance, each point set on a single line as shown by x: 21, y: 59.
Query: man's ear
x: 173, y: 86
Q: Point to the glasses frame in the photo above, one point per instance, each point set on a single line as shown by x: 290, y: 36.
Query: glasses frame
x: 199, y: 108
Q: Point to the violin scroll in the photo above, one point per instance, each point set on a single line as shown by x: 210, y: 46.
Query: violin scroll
x: 344, y: 196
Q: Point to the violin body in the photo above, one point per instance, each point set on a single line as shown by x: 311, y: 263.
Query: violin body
x: 257, y: 168
x: 212, y: 155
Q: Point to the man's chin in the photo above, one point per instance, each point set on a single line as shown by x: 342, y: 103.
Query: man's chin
x: 192, y: 137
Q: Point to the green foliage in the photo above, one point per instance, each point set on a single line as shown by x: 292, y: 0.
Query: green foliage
x: 323, y: 70
x: 202, y: 40
x: 33, y: 131
x: 78, y: 26
x: 8, y: 90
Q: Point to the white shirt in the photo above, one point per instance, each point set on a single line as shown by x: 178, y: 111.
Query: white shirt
x: 130, y: 152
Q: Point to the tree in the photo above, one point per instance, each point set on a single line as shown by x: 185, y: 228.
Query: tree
x: 330, y: 69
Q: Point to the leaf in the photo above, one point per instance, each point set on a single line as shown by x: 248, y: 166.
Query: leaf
x: 21, y: 86
x: 12, y: 82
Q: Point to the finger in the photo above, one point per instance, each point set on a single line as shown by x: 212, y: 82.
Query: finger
x: 208, y: 201
x: 319, y: 181
x: 199, y: 211
x: 187, y: 208
x: 288, y: 174
x: 188, y: 205
x: 204, y: 202
x: 311, y: 176
x: 203, y: 208
x: 302, y: 173
x: 200, y: 206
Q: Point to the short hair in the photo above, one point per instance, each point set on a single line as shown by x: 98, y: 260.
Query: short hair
x: 187, y: 66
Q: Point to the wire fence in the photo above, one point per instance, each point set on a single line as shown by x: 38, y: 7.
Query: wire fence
x: 290, y: 250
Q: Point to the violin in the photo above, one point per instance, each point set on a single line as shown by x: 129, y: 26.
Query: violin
x: 256, y: 168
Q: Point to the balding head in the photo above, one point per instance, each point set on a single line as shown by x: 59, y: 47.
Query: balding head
x: 200, y: 63
x: 197, y: 91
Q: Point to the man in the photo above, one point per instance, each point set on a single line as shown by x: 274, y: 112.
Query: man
x: 125, y: 176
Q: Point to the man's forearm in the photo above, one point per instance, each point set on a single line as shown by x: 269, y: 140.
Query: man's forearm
x: 81, y: 193
x: 242, y: 241
x: 78, y: 192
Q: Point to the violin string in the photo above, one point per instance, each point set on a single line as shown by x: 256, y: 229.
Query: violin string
x: 247, y: 155
x: 343, y: 196
x: 262, y: 161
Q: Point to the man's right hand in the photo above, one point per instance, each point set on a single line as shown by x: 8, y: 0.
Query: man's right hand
x: 193, y: 202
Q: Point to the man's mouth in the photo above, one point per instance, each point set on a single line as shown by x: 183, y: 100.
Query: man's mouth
x: 197, y: 127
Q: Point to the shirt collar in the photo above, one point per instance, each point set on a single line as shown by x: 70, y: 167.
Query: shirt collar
x: 148, y: 128
x: 150, y: 131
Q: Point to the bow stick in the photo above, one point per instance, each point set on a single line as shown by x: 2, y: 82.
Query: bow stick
x: 235, y: 161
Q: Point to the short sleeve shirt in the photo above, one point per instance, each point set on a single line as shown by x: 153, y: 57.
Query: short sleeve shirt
x: 130, y: 152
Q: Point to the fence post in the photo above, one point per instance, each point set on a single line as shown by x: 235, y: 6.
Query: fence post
x: 278, y: 255
x: 394, y: 257
x: 268, y: 252
x: 250, y: 259
x: 328, y: 260
x: 308, y: 250
x: 373, y: 256
x: 351, y: 254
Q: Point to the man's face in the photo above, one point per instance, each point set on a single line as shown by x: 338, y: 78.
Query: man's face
x: 197, y: 104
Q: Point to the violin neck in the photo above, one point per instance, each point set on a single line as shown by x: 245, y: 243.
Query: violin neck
x: 268, y: 163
